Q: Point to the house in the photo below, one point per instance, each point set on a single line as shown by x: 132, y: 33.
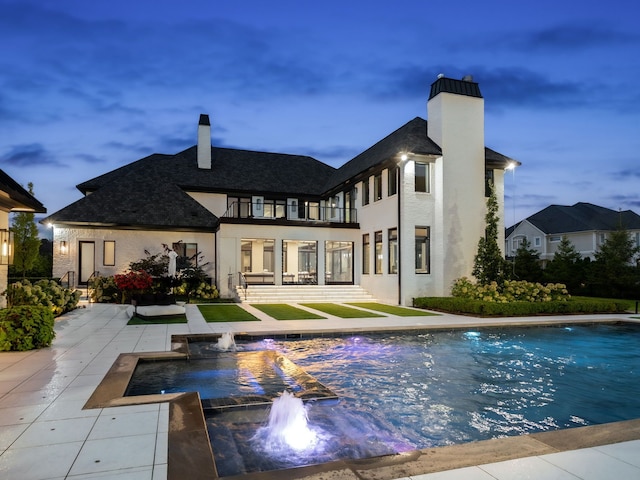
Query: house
x: 400, y: 220
x: 584, y: 224
x: 13, y: 198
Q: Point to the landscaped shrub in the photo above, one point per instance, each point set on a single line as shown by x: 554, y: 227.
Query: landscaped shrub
x: 26, y: 327
x: 47, y: 293
x: 104, y: 290
x: 482, y: 308
x: 132, y: 282
x: 510, y: 291
x: 198, y: 289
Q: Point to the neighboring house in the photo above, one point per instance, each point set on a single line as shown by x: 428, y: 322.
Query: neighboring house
x: 402, y: 219
x: 584, y: 224
x: 13, y: 198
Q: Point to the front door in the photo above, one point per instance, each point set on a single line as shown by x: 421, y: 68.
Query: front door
x: 87, y: 261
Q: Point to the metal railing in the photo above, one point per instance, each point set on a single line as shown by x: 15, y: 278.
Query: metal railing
x: 68, y: 279
x: 309, y: 212
x: 91, y: 277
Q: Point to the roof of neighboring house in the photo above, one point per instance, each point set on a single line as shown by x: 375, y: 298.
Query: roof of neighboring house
x: 16, y: 198
x: 151, y: 192
x: 556, y: 219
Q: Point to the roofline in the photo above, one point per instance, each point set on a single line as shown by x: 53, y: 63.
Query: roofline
x: 129, y: 226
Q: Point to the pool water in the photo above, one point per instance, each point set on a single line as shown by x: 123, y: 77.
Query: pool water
x: 415, y: 390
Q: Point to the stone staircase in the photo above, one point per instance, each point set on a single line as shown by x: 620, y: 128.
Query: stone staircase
x: 303, y: 294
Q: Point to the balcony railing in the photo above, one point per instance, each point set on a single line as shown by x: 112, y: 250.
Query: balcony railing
x: 306, y: 213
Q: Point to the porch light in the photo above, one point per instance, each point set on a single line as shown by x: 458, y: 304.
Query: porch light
x: 6, y: 247
x: 63, y: 247
x: 511, y: 166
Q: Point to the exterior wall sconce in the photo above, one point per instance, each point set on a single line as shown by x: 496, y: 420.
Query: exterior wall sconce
x: 6, y: 247
x: 63, y: 247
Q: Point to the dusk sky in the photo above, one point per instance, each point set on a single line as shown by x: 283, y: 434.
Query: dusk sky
x: 87, y: 86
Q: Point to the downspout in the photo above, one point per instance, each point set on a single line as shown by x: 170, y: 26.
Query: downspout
x: 400, y: 185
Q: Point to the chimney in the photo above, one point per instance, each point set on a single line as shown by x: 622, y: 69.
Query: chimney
x: 204, y: 142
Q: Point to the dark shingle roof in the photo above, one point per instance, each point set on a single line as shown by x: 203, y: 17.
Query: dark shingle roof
x: 582, y: 217
x: 151, y: 192
x: 18, y: 198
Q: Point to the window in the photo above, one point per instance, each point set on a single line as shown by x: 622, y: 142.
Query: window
x: 109, y: 253
x: 377, y: 187
x: 422, y: 177
x: 393, y: 250
x: 299, y: 262
x: 552, y: 239
x: 188, y: 250
x: 366, y: 254
x: 313, y: 210
x: 488, y: 182
x: 365, y: 192
x: 238, y: 207
x: 258, y: 258
x: 537, y: 241
x: 378, y: 240
x: 392, y: 181
x: 338, y: 262
x: 516, y: 242
x: 422, y: 249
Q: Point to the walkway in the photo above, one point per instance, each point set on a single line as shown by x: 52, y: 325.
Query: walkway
x: 45, y: 433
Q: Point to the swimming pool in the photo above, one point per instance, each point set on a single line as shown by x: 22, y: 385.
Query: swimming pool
x: 399, y: 392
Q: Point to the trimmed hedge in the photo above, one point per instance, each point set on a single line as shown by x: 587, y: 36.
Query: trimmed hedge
x: 26, y: 327
x: 518, y: 308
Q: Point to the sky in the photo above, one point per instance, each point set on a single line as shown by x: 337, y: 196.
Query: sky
x: 89, y: 86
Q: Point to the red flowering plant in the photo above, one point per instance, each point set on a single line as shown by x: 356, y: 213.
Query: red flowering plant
x: 134, y: 281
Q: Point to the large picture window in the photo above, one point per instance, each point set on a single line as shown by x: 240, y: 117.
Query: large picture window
x: 299, y: 262
x: 422, y: 177
x: 338, y: 262
x: 258, y: 259
x: 379, y: 253
x: 422, y: 250
x: 393, y: 250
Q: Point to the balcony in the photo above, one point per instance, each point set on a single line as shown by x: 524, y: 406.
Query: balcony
x: 308, y: 213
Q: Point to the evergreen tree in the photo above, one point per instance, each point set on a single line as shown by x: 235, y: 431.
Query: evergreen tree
x: 566, y: 266
x: 527, y: 263
x: 25, y: 240
x: 489, y: 264
x: 616, y: 271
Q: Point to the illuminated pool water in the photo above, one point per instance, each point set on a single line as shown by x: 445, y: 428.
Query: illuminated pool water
x: 400, y: 392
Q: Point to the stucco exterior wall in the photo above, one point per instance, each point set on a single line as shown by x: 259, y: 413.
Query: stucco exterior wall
x: 130, y: 245
x: 216, y: 203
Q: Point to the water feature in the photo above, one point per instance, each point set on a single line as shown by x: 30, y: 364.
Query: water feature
x: 400, y: 392
x: 226, y: 342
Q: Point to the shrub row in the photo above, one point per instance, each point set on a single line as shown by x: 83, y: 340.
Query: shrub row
x: 26, y: 327
x: 105, y: 289
x: 510, y: 291
x: 518, y: 308
x: 46, y: 293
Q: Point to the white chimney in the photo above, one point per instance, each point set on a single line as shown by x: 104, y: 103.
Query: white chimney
x: 204, y: 142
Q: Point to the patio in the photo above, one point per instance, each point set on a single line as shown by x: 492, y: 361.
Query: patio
x: 46, y: 434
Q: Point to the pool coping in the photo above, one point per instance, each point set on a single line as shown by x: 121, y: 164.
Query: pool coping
x: 190, y: 453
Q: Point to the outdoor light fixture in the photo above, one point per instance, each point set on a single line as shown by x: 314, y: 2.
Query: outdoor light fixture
x: 510, y: 166
x: 404, y: 157
x: 63, y: 247
x: 6, y: 247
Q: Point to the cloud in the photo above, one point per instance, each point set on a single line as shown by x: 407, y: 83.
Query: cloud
x: 569, y: 37
x: 29, y: 155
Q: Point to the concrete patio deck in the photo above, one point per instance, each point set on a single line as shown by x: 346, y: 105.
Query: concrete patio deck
x: 46, y: 434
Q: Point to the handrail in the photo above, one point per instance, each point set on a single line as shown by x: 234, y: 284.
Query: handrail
x: 70, y: 278
x: 93, y: 275
x: 312, y: 213
x: 243, y: 283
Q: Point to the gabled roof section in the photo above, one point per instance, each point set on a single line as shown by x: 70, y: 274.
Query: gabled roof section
x: 556, y: 219
x: 14, y: 198
x: 409, y: 138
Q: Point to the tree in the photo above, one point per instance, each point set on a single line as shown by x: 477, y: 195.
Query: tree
x: 527, y: 263
x: 616, y: 272
x: 566, y: 266
x: 489, y: 264
x: 25, y: 240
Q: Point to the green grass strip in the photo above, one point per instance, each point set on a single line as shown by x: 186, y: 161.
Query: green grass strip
x: 340, y: 310
x: 392, y: 309
x: 282, y: 311
x: 159, y: 320
x: 226, y: 313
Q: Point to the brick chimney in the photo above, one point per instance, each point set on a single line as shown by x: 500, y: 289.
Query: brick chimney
x: 204, y: 142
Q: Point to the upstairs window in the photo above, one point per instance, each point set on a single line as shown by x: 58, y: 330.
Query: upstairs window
x: 365, y: 192
x: 392, y: 181
x: 377, y: 187
x: 422, y: 177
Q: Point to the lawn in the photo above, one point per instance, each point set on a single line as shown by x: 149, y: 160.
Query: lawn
x: 281, y: 311
x: 159, y: 320
x: 392, y: 309
x: 340, y: 310
x: 226, y: 313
